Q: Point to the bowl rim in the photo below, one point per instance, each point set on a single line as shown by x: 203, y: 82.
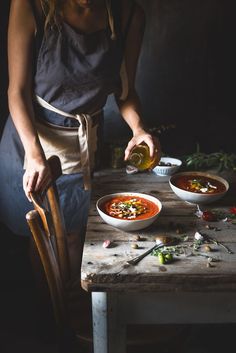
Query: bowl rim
x: 206, y: 174
x: 129, y: 193
x: 169, y: 166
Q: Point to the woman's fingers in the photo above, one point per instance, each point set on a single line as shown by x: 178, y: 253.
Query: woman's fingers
x: 154, y: 147
x: 36, y: 180
x: 29, y: 182
x: 151, y: 141
x: 32, y: 181
x: 129, y: 147
x: 153, y: 144
x: 43, y: 180
x: 45, y: 183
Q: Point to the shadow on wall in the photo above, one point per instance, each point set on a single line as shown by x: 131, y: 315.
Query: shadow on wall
x: 186, y: 75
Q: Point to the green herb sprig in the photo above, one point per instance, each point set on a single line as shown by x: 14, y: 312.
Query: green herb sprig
x: 220, y: 160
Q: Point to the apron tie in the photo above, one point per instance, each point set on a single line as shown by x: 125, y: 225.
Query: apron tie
x: 84, y: 132
x: 84, y: 137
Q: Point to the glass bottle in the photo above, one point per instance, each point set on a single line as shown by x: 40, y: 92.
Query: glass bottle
x: 117, y: 157
x: 140, y: 158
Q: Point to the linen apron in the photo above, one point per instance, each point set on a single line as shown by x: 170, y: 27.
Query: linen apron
x: 74, y: 74
x: 75, y: 146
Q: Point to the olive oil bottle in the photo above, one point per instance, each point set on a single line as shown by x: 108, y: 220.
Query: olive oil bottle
x: 140, y: 158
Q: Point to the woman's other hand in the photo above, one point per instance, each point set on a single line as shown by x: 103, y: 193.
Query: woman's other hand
x: 37, y: 176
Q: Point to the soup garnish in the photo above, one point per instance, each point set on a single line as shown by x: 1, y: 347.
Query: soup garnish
x: 199, y: 184
x: 130, y: 208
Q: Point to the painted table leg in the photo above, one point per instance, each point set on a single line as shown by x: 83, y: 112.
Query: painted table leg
x: 109, y: 335
x: 99, y: 309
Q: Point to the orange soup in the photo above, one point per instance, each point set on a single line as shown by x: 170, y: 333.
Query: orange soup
x: 130, y: 208
x: 199, y: 184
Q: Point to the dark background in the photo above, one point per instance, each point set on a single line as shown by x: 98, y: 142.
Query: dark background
x: 186, y: 75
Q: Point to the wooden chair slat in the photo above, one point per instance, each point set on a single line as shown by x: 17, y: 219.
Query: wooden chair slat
x: 50, y: 265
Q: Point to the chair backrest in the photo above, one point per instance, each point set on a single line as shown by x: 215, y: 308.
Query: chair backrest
x: 47, y: 227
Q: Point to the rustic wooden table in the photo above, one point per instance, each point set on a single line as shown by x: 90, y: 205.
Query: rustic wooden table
x: 184, y: 291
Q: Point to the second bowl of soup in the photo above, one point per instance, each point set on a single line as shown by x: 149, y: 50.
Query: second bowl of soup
x: 198, y: 187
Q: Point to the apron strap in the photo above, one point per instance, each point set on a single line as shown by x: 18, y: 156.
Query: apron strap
x: 129, y: 21
x: 111, y: 19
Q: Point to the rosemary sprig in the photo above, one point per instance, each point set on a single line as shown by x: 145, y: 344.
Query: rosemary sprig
x: 217, y: 242
x: 220, y: 160
x: 209, y: 258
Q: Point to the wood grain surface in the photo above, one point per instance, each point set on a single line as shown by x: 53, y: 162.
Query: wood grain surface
x: 105, y: 269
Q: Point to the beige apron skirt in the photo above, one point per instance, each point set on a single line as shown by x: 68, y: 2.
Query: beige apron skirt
x: 75, y: 146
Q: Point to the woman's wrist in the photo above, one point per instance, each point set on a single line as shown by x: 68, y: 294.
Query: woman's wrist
x: 34, y: 150
x: 139, y: 131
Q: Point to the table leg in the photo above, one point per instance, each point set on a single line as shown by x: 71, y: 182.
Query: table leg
x: 109, y: 335
x: 99, y: 309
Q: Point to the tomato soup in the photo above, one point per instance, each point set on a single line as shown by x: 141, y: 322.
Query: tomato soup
x: 199, y: 184
x: 130, y: 208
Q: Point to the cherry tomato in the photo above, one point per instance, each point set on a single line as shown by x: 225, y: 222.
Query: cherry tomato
x: 208, y: 216
x: 233, y: 210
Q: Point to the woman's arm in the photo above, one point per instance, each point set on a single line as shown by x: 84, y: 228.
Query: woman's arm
x: 130, y: 108
x: 21, y: 35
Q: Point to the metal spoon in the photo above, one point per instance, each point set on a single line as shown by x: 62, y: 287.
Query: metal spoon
x: 160, y: 242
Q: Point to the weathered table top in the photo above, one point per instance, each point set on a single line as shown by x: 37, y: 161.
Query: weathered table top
x: 103, y: 268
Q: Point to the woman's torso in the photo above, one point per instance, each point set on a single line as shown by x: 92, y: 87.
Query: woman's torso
x: 75, y: 72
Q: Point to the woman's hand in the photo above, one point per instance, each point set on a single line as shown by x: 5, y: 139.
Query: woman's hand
x: 37, y: 176
x: 143, y: 136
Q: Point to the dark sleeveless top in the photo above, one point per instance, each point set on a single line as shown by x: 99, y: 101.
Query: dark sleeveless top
x: 76, y: 72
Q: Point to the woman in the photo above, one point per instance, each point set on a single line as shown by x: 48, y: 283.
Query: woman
x: 65, y: 58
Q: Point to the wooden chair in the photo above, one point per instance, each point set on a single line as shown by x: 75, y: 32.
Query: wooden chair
x: 71, y: 305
